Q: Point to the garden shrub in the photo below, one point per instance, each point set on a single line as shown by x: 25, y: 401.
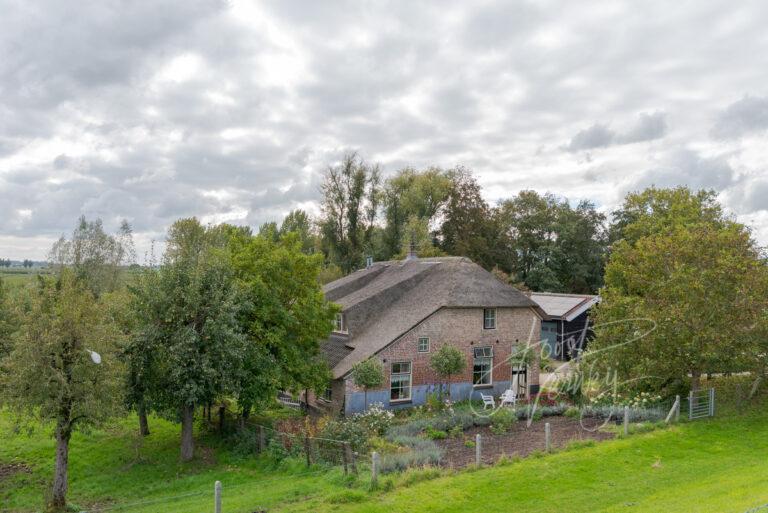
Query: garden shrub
x: 456, y: 431
x: 413, y: 458
x: 572, y: 412
x: 469, y: 443
x: 482, y: 421
x: 435, y: 434
x: 347, y: 431
x: 502, y: 420
x: 375, y: 420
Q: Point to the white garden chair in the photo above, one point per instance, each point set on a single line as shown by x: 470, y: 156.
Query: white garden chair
x: 508, y: 397
x: 488, y: 400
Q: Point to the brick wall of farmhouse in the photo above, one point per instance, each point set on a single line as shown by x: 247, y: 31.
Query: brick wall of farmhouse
x: 463, y: 328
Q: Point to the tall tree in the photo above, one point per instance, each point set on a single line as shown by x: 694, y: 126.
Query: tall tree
x: 412, y: 197
x: 94, y: 256
x: 7, y: 320
x: 298, y: 222
x: 469, y: 227
x: 63, y: 366
x: 351, y: 195
x: 283, y: 315
x: 188, y: 309
x: 557, y: 248
x: 689, y: 277
x: 655, y: 210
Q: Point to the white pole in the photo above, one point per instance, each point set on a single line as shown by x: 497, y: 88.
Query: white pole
x: 677, y: 410
x: 217, y: 496
x: 375, y: 468
x: 626, y: 420
x: 547, y: 437
x: 478, y: 450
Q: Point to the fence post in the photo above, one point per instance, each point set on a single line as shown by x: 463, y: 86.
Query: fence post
x: 547, y: 437
x: 374, y: 469
x: 262, y: 439
x: 674, y: 411
x: 711, y: 402
x: 217, y: 497
x: 308, y: 450
x: 345, y: 458
x: 350, y: 457
x: 478, y: 450
x: 626, y: 420
x: 690, y: 405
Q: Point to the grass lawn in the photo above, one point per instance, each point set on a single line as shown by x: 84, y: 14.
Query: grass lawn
x: 707, y: 466
x: 109, y: 470
x: 716, y: 465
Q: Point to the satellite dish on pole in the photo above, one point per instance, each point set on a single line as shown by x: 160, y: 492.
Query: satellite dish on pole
x: 96, y: 357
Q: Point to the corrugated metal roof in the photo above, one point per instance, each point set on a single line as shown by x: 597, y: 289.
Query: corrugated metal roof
x: 563, y: 306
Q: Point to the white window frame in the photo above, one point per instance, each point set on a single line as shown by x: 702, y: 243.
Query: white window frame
x: 418, y: 345
x: 392, y: 374
x: 340, y: 323
x: 487, y: 318
x: 487, y: 356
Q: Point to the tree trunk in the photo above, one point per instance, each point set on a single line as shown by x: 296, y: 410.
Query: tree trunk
x: 187, y: 423
x: 143, y: 424
x: 695, y: 381
x: 60, y: 477
x: 222, y: 412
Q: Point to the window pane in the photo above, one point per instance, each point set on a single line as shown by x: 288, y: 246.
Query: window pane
x: 423, y: 344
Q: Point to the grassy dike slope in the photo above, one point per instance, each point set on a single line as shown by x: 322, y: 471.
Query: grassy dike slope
x: 707, y: 466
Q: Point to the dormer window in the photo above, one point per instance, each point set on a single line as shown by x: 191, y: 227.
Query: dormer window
x: 340, y: 324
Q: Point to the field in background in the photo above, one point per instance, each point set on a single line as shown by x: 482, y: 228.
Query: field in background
x: 718, y: 465
x: 15, y: 276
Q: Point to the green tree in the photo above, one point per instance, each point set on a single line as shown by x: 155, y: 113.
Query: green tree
x: 7, y: 320
x: 690, y: 277
x: 368, y: 374
x: 469, y: 226
x: 653, y: 211
x: 188, y: 309
x: 446, y: 362
x: 94, y: 256
x: 51, y: 375
x: 298, y: 222
x: 283, y: 314
x: 412, y: 197
x: 351, y: 196
x: 557, y: 248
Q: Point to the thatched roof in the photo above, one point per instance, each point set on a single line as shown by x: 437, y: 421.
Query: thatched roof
x: 385, y: 301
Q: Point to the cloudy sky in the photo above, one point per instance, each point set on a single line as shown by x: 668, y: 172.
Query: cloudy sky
x: 230, y: 111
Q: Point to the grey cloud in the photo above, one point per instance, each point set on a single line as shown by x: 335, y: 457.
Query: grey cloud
x: 747, y: 115
x: 687, y: 167
x: 86, y: 127
x: 596, y: 136
x: 647, y: 127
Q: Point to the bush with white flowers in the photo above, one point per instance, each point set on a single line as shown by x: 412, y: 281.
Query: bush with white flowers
x: 376, y: 420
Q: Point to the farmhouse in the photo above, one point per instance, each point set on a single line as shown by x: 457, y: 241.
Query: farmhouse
x: 400, y: 312
x: 565, y: 328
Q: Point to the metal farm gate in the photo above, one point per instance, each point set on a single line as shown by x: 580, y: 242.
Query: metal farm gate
x: 701, y: 404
